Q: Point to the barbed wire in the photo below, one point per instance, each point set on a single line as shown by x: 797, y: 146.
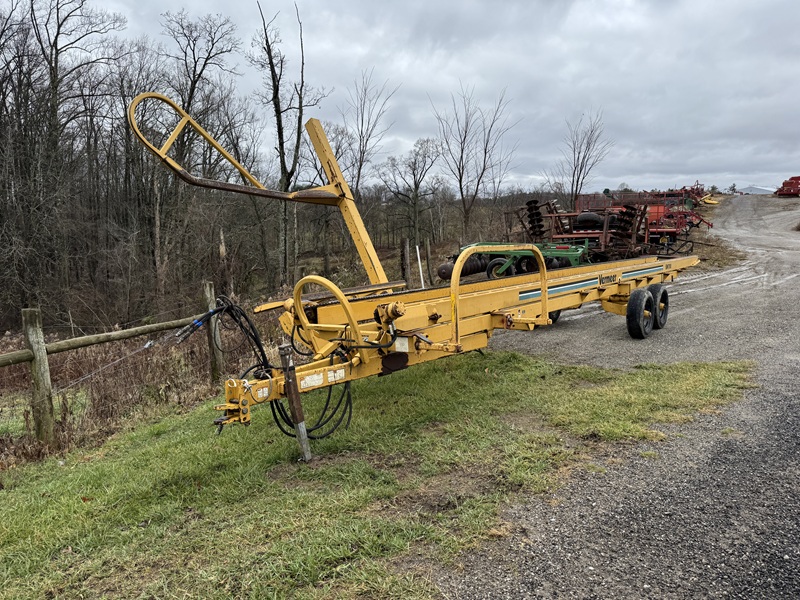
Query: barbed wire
x: 173, y: 381
x: 75, y: 382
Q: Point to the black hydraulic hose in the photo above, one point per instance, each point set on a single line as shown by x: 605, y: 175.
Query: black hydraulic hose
x: 346, y: 412
x: 280, y: 417
x: 226, y: 308
x: 327, y: 420
x: 343, y: 411
x: 343, y: 408
x: 296, y: 331
x: 284, y: 421
x: 249, y: 370
x: 373, y: 345
x: 246, y: 325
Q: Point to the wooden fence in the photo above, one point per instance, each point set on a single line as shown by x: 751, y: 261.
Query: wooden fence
x: 37, y: 352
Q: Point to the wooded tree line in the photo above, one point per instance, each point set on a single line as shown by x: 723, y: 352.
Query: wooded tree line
x: 94, y: 230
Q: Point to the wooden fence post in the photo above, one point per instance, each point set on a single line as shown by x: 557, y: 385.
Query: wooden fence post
x: 42, y: 398
x: 214, y: 340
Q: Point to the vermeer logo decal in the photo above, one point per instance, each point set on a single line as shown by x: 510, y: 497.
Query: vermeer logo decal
x: 606, y: 279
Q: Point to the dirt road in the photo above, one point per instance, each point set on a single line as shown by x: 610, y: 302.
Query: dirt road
x: 714, y: 511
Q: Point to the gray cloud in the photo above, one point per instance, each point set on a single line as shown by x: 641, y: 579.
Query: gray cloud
x: 689, y: 89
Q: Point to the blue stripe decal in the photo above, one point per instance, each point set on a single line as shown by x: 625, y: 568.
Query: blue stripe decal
x: 530, y: 295
x: 559, y: 289
x: 640, y: 272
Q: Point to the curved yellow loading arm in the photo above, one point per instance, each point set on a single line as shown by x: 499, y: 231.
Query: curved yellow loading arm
x: 336, y: 193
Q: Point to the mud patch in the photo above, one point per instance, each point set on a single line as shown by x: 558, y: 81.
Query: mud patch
x: 443, y: 494
x: 714, y: 252
x: 402, y: 467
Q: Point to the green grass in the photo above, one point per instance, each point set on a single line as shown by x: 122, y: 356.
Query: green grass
x: 171, y: 510
x: 13, y: 406
x: 12, y: 410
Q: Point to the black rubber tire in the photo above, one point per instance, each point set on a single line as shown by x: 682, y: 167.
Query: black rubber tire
x: 660, y: 304
x: 496, y: 263
x: 554, y: 315
x: 551, y: 263
x: 527, y: 264
x: 588, y: 220
x: 640, y: 314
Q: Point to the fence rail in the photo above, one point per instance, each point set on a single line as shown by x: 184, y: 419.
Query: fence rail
x: 26, y: 355
x: 37, y: 352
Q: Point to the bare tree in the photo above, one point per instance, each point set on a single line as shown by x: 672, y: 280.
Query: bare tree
x: 473, y: 147
x: 406, y: 178
x: 202, y: 47
x: 366, y: 106
x: 582, y: 149
x: 69, y: 35
x: 90, y: 224
x: 199, y: 52
x: 288, y: 101
x: 52, y: 53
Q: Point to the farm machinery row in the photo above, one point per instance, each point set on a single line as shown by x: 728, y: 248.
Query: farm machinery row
x: 604, y: 227
x: 620, y: 225
x: 341, y: 335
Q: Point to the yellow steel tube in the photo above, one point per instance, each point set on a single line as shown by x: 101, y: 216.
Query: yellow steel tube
x: 300, y: 314
x: 455, y: 280
x: 173, y: 136
x: 185, y: 119
x: 346, y: 204
x: 336, y: 193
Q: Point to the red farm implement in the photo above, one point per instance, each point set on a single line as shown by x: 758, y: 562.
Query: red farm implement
x: 790, y: 187
x: 620, y: 224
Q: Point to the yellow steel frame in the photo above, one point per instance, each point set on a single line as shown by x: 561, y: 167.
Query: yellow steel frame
x: 441, y: 321
x: 362, y: 332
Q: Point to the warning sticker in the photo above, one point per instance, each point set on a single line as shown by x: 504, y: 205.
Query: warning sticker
x: 401, y: 344
x: 335, y: 375
x: 311, y: 380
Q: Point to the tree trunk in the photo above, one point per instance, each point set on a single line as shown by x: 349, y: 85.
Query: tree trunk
x: 159, y: 260
x: 326, y: 242
x: 285, y: 244
x: 295, y: 245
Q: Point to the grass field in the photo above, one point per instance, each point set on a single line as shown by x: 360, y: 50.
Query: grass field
x: 171, y: 510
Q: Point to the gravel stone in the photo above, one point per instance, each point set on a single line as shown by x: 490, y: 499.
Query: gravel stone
x: 713, y: 511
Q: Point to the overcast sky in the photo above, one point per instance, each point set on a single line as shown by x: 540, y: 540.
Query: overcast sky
x: 689, y: 90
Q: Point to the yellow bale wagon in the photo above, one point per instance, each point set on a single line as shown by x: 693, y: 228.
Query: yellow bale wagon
x: 383, y: 327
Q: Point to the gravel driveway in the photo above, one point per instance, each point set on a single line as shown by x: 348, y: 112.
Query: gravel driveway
x: 714, y: 511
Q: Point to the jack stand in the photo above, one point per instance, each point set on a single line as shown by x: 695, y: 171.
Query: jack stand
x: 293, y: 395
